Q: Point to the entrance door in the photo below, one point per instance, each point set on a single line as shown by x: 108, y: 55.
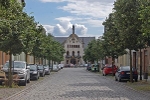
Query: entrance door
x: 73, y: 61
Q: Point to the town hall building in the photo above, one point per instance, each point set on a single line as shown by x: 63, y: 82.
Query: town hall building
x: 74, y: 47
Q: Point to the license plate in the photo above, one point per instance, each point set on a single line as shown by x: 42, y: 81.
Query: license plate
x: 128, y: 73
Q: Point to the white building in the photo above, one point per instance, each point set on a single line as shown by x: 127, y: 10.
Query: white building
x: 74, y: 47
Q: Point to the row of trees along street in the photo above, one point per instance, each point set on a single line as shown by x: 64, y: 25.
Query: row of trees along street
x: 19, y: 33
x: 127, y: 27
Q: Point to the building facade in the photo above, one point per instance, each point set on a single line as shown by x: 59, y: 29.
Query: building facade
x: 74, y: 47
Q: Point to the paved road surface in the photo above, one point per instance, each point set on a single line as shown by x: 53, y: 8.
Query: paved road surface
x: 78, y: 84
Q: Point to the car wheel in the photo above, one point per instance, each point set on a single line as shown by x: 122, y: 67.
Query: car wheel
x: 119, y: 79
x: 28, y: 81
x: 43, y: 75
x: 103, y: 74
x: 37, y: 77
x: 116, y: 79
x: 49, y: 73
x: 24, y: 83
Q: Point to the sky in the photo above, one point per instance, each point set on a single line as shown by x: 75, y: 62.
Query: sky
x: 58, y: 16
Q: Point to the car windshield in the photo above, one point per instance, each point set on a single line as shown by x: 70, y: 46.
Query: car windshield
x: 127, y: 68
x: 33, y: 67
x: 45, y: 66
x: 108, y: 66
x: 40, y: 67
x: 15, y: 65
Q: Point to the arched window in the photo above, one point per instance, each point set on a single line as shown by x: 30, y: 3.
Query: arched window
x: 67, y: 61
x: 73, y: 53
x: 67, y: 53
x: 78, y: 53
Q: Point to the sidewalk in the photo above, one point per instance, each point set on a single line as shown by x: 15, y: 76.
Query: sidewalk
x: 148, y: 78
x: 142, y: 86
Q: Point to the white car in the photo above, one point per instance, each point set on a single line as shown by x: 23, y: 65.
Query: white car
x: 61, y: 66
x: 21, y: 69
x: 55, y: 68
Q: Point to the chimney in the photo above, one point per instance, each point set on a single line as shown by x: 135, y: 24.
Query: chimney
x: 73, y: 29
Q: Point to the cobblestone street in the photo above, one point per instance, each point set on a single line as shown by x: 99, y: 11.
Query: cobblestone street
x: 77, y: 84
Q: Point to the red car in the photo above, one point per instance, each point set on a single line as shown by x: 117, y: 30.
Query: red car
x: 108, y: 69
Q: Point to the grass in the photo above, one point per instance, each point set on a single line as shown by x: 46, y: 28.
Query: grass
x: 140, y: 85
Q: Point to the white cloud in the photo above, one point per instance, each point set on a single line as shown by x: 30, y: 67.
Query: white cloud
x: 94, y: 9
x: 87, y: 12
x: 67, y: 18
x: 65, y: 28
x: 48, y: 28
x: 85, y: 8
x: 105, y: 1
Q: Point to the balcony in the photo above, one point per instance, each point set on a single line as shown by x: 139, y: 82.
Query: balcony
x: 78, y: 56
x: 68, y: 56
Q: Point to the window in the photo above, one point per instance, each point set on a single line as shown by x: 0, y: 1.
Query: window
x: 67, y: 53
x: 78, y: 53
x: 73, y: 53
x: 73, y: 46
x: 67, y: 62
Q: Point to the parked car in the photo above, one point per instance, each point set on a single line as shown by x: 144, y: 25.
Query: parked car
x: 19, y: 68
x: 95, y: 68
x: 109, y: 69
x: 42, y: 70
x: 61, y: 66
x: 55, y: 68
x: 67, y: 65
x: 47, y: 69
x: 34, y: 71
x: 123, y: 73
x: 72, y: 65
x: 85, y: 65
x: 89, y: 67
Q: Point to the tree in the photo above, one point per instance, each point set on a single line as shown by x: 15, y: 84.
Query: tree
x: 37, y: 50
x: 28, y: 38
x: 128, y: 24
x: 89, y: 53
x: 112, y: 43
x: 144, y: 16
x: 10, y: 30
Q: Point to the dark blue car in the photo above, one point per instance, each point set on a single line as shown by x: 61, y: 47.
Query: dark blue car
x: 123, y: 73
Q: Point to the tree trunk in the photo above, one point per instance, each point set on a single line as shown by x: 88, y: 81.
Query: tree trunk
x: 140, y: 65
x: 26, y: 57
x: 112, y: 65
x: 131, y: 76
x: 42, y: 61
x: 34, y: 59
x: 49, y: 63
x: 45, y: 61
x: 52, y: 64
x: 10, y: 71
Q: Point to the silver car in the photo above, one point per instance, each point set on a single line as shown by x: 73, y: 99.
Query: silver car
x: 55, y: 68
x: 21, y: 69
